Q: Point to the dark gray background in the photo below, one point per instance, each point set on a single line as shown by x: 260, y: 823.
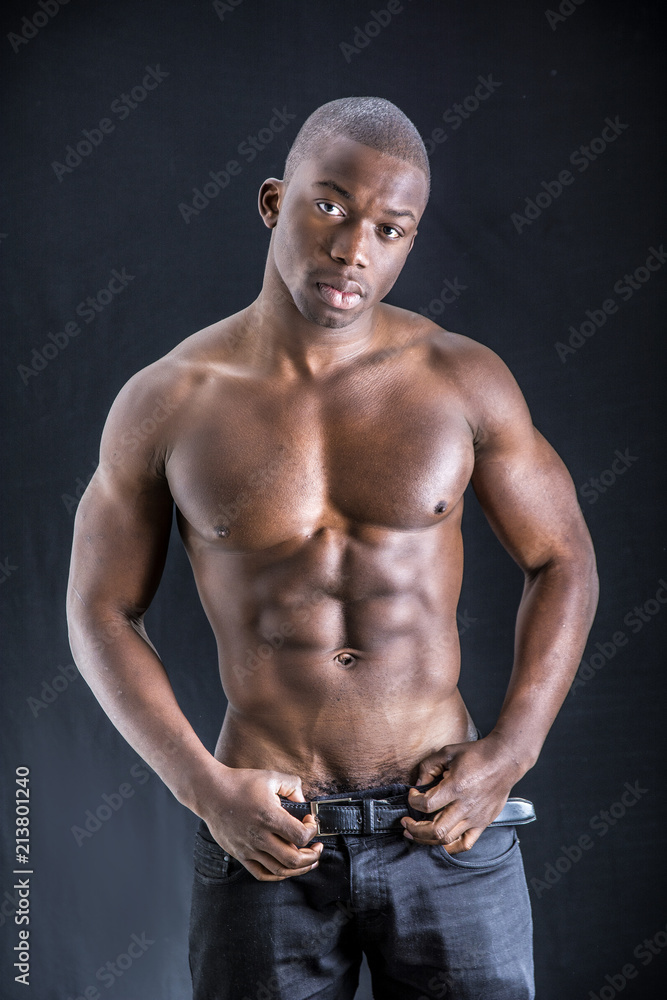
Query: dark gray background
x: 119, y: 209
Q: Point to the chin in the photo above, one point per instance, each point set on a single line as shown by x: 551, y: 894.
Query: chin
x: 330, y: 322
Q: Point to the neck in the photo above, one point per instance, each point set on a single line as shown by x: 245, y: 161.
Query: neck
x: 281, y: 333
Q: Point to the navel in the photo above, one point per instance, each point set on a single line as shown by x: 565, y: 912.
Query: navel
x: 222, y: 531
x: 345, y: 659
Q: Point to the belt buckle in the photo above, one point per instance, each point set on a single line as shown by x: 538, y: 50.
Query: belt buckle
x: 314, y: 811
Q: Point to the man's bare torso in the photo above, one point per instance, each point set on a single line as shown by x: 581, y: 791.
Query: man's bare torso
x: 322, y: 519
x: 318, y: 445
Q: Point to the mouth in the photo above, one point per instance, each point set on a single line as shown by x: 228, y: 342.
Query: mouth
x: 336, y: 297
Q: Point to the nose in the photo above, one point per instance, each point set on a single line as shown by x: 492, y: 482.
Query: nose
x: 349, y: 246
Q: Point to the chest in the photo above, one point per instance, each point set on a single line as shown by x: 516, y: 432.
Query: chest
x: 255, y: 466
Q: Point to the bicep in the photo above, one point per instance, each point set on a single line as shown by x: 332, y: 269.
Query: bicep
x: 122, y: 525
x: 520, y: 481
x: 529, y: 499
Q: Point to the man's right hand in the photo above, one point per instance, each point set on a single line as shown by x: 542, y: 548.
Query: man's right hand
x: 246, y: 819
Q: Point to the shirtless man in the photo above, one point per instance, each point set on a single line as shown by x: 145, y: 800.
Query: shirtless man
x: 317, y: 445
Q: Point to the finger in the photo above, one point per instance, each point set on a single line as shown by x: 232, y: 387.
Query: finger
x: 289, y: 787
x: 455, y: 832
x: 295, y: 831
x: 260, y: 872
x: 444, y: 827
x: 430, y: 768
x: 464, y: 842
x: 312, y: 826
x: 423, y: 831
x: 292, y: 829
x: 276, y: 870
x: 435, y: 798
x: 287, y: 855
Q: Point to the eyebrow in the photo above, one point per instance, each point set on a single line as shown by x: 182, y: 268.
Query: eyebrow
x: 395, y: 213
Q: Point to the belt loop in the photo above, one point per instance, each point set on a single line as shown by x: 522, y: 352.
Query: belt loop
x: 368, y: 815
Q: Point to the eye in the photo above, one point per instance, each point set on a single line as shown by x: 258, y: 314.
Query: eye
x: 392, y: 229
x: 326, y: 205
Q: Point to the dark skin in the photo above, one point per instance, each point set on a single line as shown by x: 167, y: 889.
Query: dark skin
x: 317, y: 448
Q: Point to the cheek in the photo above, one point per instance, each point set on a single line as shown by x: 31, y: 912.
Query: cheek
x: 293, y: 248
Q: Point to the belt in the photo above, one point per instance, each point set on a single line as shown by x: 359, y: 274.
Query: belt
x: 349, y: 815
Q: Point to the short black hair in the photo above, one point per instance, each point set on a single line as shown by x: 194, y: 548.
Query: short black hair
x: 373, y: 121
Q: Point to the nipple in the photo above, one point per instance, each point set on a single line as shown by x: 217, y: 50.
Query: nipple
x: 344, y: 659
x: 222, y: 531
x: 441, y: 507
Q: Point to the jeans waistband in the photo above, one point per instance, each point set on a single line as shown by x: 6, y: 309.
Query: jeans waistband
x: 379, y: 810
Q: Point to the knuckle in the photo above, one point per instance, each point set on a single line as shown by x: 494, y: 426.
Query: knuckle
x: 288, y: 867
x: 284, y: 871
x: 264, y: 816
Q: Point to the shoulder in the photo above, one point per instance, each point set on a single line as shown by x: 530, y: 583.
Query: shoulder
x: 462, y: 354
x: 156, y: 400
x: 172, y: 379
x: 487, y: 391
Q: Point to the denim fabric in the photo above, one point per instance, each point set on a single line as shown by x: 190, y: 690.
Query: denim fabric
x: 432, y: 925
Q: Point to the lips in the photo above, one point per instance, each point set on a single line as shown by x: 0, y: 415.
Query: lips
x: 340, y: 298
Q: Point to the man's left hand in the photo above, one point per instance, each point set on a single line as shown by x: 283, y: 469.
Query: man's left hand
x: 475, y: 781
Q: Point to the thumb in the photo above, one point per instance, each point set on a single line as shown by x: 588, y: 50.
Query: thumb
x: 433, y: 767
x: 290, y: 788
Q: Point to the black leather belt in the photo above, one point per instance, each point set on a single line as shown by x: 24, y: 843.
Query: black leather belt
x: 349, y: 815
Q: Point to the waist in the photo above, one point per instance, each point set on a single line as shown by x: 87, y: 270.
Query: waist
x: 379, y: 810
x: 344, y: 752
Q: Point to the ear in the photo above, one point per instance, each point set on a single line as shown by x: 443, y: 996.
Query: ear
x: 412, y: 241
x: 270, y: 199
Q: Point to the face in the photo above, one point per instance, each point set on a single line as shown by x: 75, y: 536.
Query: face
x: 344, y: 226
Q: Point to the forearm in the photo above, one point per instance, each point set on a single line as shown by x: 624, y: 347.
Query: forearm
x: 128, y: 679
x: 553, y: 622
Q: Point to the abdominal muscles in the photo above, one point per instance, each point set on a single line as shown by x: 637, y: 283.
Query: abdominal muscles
x: 359, y: 691
x: 339, y: 655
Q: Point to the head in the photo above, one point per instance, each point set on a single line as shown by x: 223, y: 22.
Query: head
x: 345, y: 215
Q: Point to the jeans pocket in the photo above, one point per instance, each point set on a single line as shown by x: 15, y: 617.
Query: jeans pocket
x: 213, y: 866
x: 494, y: 847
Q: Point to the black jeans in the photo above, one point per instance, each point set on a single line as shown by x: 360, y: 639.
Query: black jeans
x: 432, y: 925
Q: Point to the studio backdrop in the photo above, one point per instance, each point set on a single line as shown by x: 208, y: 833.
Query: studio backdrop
x: 137, y: 137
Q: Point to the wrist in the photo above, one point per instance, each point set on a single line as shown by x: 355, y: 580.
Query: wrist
x: 519, y: 755
x: 198, y: 785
